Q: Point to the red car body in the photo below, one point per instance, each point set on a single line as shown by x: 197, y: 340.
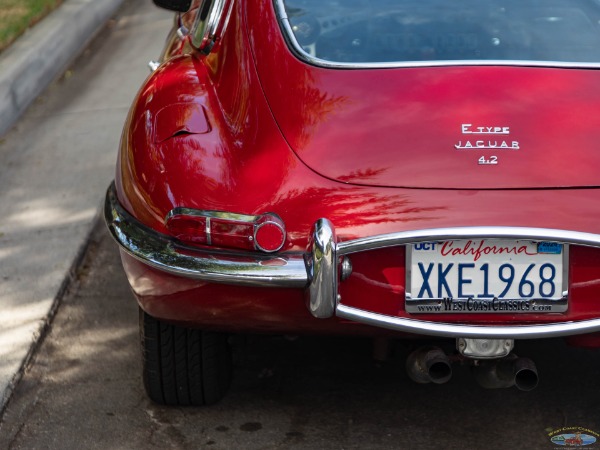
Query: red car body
x: 357, y: 163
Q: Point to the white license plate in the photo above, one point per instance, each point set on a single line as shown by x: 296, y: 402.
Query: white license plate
x: 486, y: 276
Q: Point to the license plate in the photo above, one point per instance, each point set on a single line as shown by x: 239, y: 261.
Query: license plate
x: 486, y: 276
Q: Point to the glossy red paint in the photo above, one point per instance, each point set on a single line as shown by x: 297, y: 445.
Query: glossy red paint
x: 231, y: 308
x: 276, y: 135
x: 399, y: 127
x: 180, y: 119
x: 244, y: 165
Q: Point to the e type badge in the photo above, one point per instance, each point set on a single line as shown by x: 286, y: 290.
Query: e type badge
x: 482, y: 138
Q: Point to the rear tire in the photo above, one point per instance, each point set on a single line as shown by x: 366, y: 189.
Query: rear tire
x: 183, y: 366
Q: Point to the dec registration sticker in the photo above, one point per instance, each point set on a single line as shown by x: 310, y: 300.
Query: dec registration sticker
x: 486, y: 276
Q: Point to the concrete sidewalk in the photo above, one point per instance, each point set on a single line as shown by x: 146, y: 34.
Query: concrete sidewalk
x: 42, y: 53
x: 58, y: 159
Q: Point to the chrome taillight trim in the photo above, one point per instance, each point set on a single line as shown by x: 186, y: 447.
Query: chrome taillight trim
x: 274, y: 220
x: 181, y: 211
x: 164, y: 253
x: 256, y: 221
x: 468, y: 331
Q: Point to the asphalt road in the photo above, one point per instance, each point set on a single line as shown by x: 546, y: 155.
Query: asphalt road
x: 83, y: 389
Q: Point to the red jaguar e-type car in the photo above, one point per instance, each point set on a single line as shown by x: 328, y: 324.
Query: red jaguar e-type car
x: 394, y: 169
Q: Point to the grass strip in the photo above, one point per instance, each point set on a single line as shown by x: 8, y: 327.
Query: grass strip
x: 18, y: 15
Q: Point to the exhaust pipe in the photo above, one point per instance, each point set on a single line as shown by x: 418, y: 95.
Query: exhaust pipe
x: 428, y: 365
x: 507, y: 372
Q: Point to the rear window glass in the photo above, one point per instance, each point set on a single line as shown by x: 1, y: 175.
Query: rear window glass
x: 388, y: 31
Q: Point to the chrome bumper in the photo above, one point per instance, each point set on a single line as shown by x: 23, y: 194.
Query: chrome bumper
x: 164, y: 253
x: 317, y: 269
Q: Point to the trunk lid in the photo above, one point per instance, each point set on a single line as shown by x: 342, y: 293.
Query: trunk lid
x: 463, y: 127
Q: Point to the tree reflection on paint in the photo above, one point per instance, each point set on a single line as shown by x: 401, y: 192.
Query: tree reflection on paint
x: 353, y: 210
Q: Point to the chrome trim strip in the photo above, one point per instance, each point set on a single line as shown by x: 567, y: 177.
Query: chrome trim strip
x: 299, y: 51
x: 565, y: 274
x: 204, y: 37
x: 207, y: 231
x: 160, y: 251
x: 468, y: 331
x: 408, y: 273
x: 210, y: 214
x: 280, y: 11
x: 449, y: 234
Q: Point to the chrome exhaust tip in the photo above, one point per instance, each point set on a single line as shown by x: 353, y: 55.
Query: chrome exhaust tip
x: 526, y: 376
x: 507, y: 372
x: 429, y: 365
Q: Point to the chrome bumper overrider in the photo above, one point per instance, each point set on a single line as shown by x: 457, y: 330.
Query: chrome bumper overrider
x: 317, y: 269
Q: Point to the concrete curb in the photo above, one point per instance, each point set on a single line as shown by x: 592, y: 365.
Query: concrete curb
x: 42, y: 54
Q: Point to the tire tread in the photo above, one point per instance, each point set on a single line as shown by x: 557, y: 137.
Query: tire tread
x: 183, y: 366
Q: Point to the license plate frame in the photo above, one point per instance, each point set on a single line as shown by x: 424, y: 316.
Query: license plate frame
x: 492, y: 303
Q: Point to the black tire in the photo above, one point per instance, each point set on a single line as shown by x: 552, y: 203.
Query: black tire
x: 183, y: 366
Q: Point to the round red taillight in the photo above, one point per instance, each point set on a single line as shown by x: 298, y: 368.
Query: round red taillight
x: 265, y: 232
x: 269, y: 233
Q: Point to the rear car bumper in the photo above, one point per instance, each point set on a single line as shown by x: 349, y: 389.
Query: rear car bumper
x: 318, y: 270
x: 164, y: 253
